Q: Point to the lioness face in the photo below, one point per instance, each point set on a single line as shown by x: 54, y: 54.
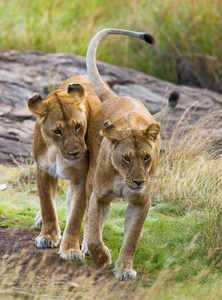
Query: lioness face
x: 132, y: 158
x: 132, y: 143
x: 63, y: 120
x: 65, y: 128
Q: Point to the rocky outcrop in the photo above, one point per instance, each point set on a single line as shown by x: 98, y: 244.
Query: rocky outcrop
x: 23, y: 74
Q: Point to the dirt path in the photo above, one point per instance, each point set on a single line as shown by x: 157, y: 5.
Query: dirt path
x: 29, y: 272
x: 20, y: 243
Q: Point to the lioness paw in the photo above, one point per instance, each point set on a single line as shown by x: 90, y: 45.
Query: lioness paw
x: 47, y: 241
x: 85, y: 249
x: 124, y: 274
x: 72, y: 254
x: 101, y: 258
x: 38, y: 220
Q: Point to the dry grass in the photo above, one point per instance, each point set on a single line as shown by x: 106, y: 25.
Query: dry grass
x: 190, y: 175
x: 190, y: 170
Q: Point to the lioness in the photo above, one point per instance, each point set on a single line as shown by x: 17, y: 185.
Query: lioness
x: 59, y: 149
x: 124, y: 145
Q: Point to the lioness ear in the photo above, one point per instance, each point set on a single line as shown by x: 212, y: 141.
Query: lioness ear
x: 153, y: 131
x: 37, y: 105
x: 76, y: 91
x: 109, y: 131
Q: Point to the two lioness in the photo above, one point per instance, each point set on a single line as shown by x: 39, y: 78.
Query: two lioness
x: 124, y: 144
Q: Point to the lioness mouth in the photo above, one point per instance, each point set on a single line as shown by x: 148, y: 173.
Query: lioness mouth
x: 71, y: 158
x: 139, y: 188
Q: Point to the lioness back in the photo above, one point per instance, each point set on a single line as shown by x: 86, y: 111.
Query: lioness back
x: 91, y: 96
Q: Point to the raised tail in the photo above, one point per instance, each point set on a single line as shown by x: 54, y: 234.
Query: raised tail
x: 99, y: 86
x: 172, y: 102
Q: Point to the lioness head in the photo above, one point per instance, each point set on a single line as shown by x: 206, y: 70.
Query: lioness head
x: 63, y: 119
x: 132, y: 141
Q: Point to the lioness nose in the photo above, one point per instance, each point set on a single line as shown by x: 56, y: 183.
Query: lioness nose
x: 138, y: 182
x: 73, y: 153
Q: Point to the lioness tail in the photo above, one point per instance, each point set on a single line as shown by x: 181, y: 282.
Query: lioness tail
x: 172, y: 102
x: 99, y: 86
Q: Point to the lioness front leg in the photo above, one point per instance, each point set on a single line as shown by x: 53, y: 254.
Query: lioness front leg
x: 84, y: 247
x: 98, y: 211
x: 135, y: 217
x: 86, y: 229
x: 89, y: 189
x: 38, y: 218
x: 76, y: 205
x: 50, y: 231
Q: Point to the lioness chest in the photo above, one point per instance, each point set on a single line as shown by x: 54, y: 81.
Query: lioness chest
x: 57, y: 166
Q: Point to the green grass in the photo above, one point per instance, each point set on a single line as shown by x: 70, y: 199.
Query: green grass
x: 188, y: 30
x: 20, y: 202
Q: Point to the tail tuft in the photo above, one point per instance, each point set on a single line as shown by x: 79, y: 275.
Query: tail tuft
x: 149, y: 38
x: 172, y: 103
x: 174, y: 98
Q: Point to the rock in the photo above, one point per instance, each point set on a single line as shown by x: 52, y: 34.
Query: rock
x: 23, y: 74
x: 3, y: 186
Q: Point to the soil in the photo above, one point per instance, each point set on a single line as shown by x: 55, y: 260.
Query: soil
x: 21, y: 261
x: 42, y: 274
x: 19, y: 242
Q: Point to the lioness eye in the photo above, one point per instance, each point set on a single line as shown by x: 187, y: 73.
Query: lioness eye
x: 77, y: 126
x: 126, y: 158
x: 58, y: 131
x: 146, y: 157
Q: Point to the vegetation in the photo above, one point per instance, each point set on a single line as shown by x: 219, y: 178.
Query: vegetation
x: 186, y: 31
x: 179, y: 252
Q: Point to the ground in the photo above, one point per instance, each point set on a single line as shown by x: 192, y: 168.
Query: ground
x: 178, y: 255
x: 29, y: 271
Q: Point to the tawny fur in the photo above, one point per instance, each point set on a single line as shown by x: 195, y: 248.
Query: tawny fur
x: 110, y: 176
x: 124, y: 147
x: 65, y: 110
